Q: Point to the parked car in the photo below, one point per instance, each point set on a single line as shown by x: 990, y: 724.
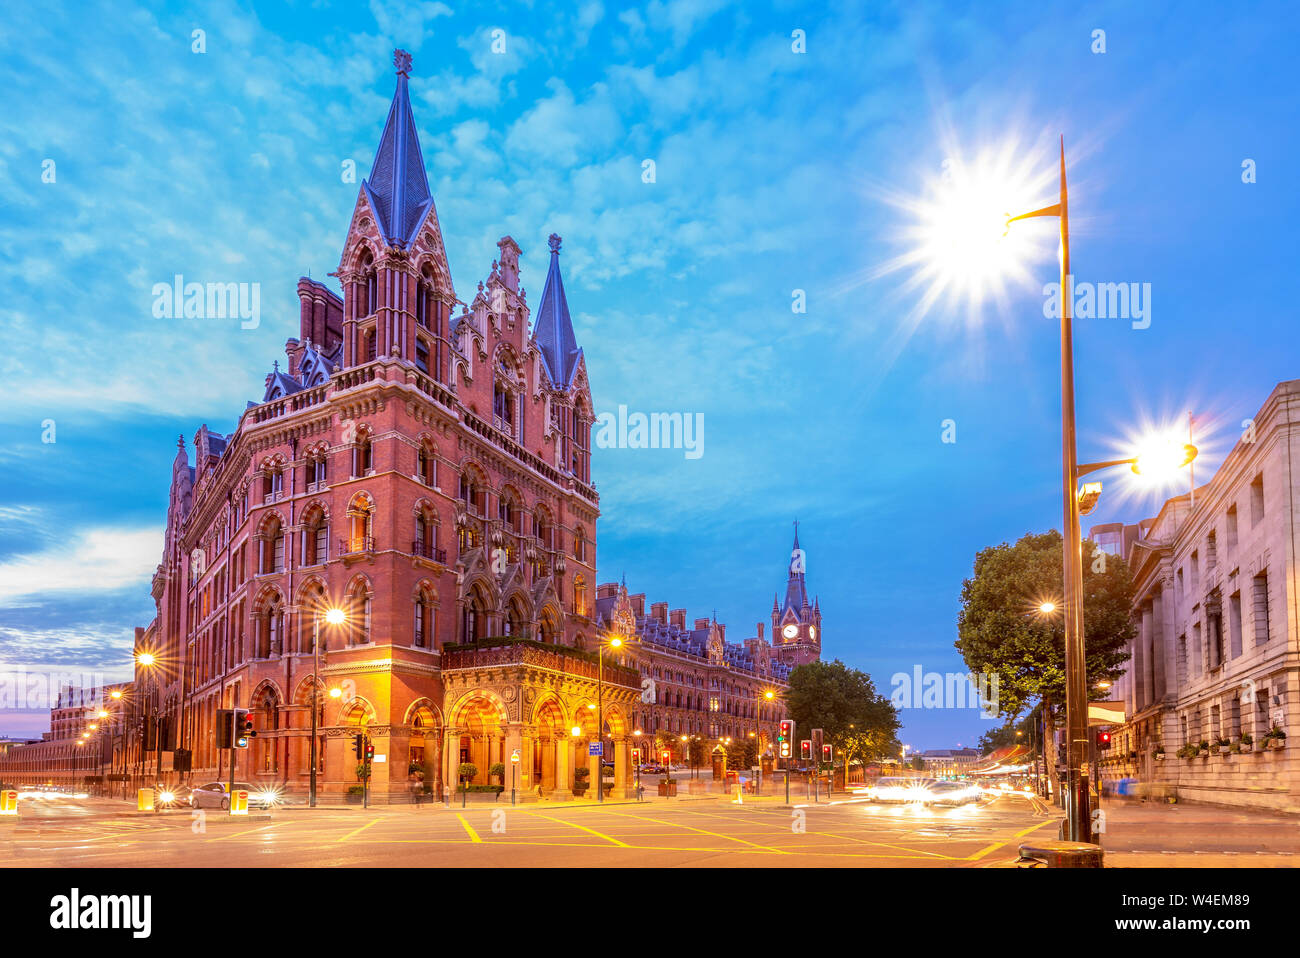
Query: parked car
x: 215, y: 795
x: 652, y: 768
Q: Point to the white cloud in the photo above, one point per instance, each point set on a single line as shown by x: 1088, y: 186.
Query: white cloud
x: 90, y: 560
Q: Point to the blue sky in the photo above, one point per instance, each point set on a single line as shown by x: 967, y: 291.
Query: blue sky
x: 775, y: 172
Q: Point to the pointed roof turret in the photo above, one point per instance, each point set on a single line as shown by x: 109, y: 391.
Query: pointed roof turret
x: 796, y: 594
x: 553, y: 329
x: 398, y: 187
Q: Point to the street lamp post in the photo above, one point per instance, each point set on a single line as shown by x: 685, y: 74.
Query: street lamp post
x: 332, y: 617
x: 1077, y: 819
x: 614, y: 642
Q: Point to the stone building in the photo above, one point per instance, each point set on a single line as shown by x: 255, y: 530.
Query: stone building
x: 1217, y: 654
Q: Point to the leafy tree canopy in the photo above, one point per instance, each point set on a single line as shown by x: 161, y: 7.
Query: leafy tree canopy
x: 1002, y: 632
x: 857, y: 720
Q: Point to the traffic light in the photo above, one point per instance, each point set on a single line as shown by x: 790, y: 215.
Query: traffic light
x: 785, y: 738
x: 667, y: 755
x: 827, y: 753
x: 805, y: 749
x: 243, y: 726
x: 358, y: 746
x: 225, y: 728
x: 1103, y: 739
x: 636, y: 756
x: 370, y: 751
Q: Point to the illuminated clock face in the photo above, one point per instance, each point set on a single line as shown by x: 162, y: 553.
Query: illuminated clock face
x: 790, y: 631
x: 812, y: 631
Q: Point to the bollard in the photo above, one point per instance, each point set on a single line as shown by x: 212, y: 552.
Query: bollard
x: 144, y: 800
x: 1060, y: 855
x: 9, y: 804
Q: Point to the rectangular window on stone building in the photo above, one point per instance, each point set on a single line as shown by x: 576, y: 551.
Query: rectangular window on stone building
x: 1260, y: 583
x: 1257, y: 500
x: 1198, y: 660
x: 1232, y: 527
x: 1195, y: 574
x: 1211, y: 551
x: 1234, y: 623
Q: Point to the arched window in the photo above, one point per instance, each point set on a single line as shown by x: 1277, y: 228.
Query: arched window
x: 473, y: 617
x: 316, y: 470
x: 362, y: 454
x: 272, y: 547
x: 358, y: 631
x: 315, y: 537
x: 580, y: 544
x: 360, y: 526
x: 579, y: 595
x: 424, y: 634
x: 425, y: 303
x: 503, y: 400
x: 369, y: 286
x: 426, y: 536
x: 426, y: 466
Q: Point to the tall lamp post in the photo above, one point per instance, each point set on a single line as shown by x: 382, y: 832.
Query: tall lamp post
x: 614, y: 642
x: 1077, y: 817
x: 332, y: 617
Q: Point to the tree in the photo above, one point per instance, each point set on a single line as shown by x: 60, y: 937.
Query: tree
x: 1002, y: 633
x: 858, y: 721
x: 1005, y: 735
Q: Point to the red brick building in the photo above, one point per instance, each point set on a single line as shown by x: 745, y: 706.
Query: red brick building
x: 428, y: 473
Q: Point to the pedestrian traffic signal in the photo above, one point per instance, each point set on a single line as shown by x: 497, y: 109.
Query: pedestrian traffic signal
x: 1103, y: 739
x: 805, y: 749
x: 785, y: 738
x: 359, y: 746
x: 243, y: 728
x: 225, y: 729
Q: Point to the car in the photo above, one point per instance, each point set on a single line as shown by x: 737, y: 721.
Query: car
x: 215, y: 795
x: 891, y: 788
x: 952, y: 793
x: 652, y: 768
x: 172, y: 796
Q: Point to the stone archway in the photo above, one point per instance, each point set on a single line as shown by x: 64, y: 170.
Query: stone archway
x: 553, y: 750
x: 477, y: 732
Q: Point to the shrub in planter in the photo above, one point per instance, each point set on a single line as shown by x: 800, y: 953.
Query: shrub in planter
x: 480, y: 789
x: 1159, y: 753
x: 499, y: 770
x: 466, y: 771
x: 1275, y: 738
x: 1247, y: 743
x: 1204, y: 748
x: 1234, y: 748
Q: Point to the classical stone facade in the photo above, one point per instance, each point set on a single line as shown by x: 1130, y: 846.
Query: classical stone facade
x: 1217, y: 654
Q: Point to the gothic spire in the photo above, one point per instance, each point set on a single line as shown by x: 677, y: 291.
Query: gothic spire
x: 553, y: 329
x: 398, y: 187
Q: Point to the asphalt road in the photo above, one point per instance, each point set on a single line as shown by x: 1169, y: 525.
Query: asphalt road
x: 664, y: 833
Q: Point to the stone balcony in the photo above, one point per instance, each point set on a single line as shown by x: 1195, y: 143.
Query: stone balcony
x: 494, y: 653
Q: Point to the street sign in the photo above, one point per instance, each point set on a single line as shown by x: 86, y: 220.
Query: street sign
x: 595, y: 748
x: 380, y: 758
x: 514, y: 756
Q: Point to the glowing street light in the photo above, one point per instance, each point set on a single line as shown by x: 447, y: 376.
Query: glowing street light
x: 1047, y: 608
x: 146, y: 659
x: 333, y: 616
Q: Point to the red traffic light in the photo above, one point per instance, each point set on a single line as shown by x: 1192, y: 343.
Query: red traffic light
x: 1103, y: 739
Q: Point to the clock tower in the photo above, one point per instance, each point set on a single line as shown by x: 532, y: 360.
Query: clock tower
x: 797, y: 623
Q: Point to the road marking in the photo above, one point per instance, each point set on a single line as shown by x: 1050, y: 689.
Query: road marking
x: 996, y: 845
x: 608, y: 838
x: 358, y: 831
x: 247, y: 831
x: 705, y: 831
x: 473, y: 835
